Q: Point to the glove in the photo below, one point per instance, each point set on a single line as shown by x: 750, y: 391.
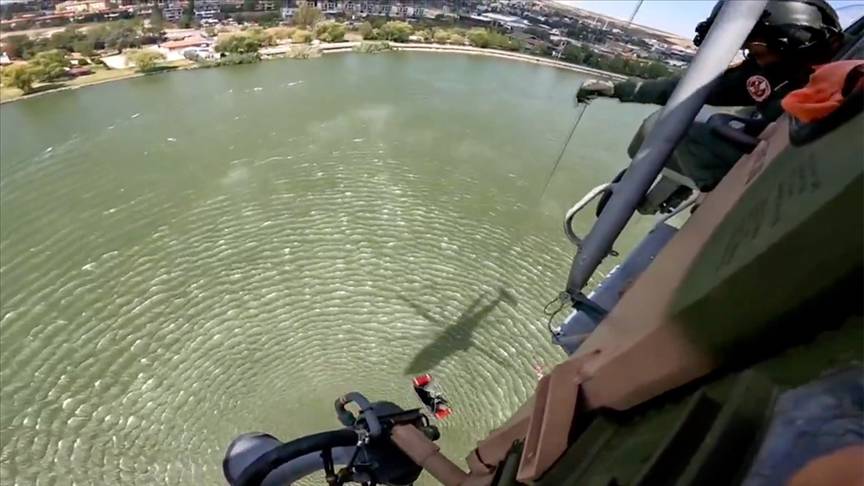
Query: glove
x: 593, y: 88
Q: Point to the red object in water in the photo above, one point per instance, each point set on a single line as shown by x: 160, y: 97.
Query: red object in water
x: 431, y: 398
x: 422, y: 380
x: 442, y: 412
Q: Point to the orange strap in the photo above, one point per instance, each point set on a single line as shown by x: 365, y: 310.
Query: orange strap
x: 823, y: 94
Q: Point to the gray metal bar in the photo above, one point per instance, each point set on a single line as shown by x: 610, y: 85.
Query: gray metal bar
x: 245, y: 449
x: 305, y: 465
x: 579, y: 325
x: 728, y: 33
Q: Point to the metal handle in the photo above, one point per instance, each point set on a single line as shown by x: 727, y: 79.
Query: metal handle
x: 579, y: 206
x: 347, y: 418
x: 681, y: 207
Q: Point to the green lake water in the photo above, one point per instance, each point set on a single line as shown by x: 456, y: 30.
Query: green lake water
x: 188, y: 256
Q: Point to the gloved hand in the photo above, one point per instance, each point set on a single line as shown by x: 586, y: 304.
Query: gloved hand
x: 593, y: 88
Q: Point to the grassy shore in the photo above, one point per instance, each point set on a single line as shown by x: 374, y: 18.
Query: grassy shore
x: 99, y: 76
x: 102, y: 75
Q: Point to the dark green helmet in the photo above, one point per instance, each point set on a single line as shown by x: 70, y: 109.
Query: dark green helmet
x: 787, y: 25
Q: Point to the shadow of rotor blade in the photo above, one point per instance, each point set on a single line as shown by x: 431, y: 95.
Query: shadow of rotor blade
x: 455, y: 337
x: 420, y: 311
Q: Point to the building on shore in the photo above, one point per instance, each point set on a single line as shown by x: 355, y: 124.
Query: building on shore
x: 201, y: 47
x: 83, y: 6
x: 207, y: 9
x: 172, y: 11
x: 193, y: 41
x: 384, y: 8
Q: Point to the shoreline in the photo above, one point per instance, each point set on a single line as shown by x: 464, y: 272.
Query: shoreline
x: 72, y: 87
x: 129, y: 74
x: 348, y: 47
x: 515, y: 56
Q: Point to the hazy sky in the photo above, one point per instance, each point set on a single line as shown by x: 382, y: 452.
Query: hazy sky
x: 681, y: 16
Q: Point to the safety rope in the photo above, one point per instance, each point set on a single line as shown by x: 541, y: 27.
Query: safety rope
x: 582, y: 108
x: 562, y: 300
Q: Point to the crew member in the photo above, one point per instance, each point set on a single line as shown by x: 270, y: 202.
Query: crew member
x: 781, y: 51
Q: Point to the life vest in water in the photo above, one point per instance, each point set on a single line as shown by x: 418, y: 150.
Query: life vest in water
x: 431, y: 398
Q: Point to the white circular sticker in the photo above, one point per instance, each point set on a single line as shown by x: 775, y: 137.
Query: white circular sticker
x: 758, y: 87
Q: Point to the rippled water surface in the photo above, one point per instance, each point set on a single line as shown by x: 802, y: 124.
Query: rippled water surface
x: 189, y: 256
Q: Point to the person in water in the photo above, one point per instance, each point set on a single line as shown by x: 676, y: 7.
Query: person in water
x: 781, y: 51
x: 433, y: 400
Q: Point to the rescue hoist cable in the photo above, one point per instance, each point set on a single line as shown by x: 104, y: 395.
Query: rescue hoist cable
x: 581, y: 107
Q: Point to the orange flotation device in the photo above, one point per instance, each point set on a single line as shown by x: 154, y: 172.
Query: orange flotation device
x: 829, y: 85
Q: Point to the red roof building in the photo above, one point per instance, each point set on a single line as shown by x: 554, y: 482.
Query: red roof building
x: 194, y: 41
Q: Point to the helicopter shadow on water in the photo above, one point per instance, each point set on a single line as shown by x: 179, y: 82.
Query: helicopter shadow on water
x: 457, y: 336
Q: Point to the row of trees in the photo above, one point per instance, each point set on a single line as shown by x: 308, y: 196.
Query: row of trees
x: 248, y: 42
x: 252, y: 40
x: 52, y: 65
x: 397, y: 31
x: 615, y: 64
x: 306, y: 16
x: 43, y: 67
x: 492, y: 40
x: 119, y: 35
x: 146, y: 61
x: 330, y: 31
